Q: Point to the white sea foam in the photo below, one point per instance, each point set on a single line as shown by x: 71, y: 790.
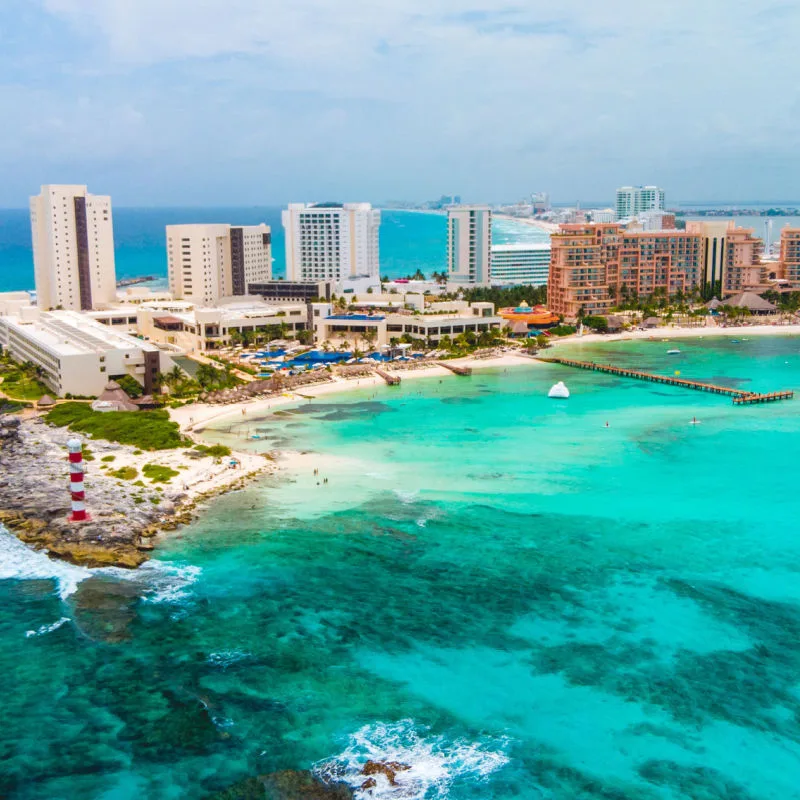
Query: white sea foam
x: 225, y: 658
x: 433, y: 762
x: 168, y: 581
x: 47, y: 628
x: 406, y: 497
x: 160, y: 581
x: 20, y: 562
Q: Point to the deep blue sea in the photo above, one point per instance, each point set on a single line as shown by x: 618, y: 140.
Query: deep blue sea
x: 408, y: 240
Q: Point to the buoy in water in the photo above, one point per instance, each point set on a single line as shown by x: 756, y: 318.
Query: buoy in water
x: 677, y: 372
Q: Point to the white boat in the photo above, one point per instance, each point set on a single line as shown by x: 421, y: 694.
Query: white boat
x: 559, y: 391
x: 675, y: 352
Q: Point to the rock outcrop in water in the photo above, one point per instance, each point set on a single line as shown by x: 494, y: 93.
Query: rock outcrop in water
x: 388, y: 769
x: 285, y: 785
x: 35, y: 499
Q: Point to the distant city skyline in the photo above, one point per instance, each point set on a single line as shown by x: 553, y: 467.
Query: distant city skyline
x: 246, y: 102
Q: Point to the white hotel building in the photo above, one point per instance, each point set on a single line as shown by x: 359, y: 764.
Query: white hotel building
x: 208, y: 262
x: 520, y: 264
x: 632, y: 200
x: 469, y: 245
x: 331, y: 241
x: 73, y: 248
x: 77, y: 354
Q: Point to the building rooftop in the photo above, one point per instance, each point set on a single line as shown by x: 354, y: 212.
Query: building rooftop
x: 520, y: 247
x: 73, y: 333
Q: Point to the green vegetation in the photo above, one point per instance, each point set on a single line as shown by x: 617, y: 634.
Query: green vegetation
x: 790, y: 301
x: 264, y: 333
x: 159, y: 474
x: 124, y: 473
x: 596, y: 323
x: 139, y: 483
x: 108, y: 458
x: 214, y: 450
x: 466, y: 343
x: 11, y: 406
x: 148, y: 430
x: 562, y: 330
x: 21, y: 381
x: 130, y: 385
x: 509, y: 296
x: 208, y: 378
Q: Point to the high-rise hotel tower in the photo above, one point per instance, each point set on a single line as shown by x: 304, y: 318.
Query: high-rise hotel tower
x: 73, y: 248
x: 208, y: 262
x: 469, y: 245
x: 331, y: 241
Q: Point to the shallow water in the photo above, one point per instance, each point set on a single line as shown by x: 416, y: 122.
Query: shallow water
x: 493, y: 588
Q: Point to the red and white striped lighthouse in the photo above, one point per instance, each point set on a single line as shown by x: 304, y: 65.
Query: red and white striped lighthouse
x: 75, y: 447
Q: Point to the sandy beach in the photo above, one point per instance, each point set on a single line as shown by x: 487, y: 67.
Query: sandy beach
x: 194, y: 418
x: 550, y: 227
x: 676, y: 332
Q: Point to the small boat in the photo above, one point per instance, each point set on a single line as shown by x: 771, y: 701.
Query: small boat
x: 674, y: 352
x: 734, y: 341
x: 559, y: 391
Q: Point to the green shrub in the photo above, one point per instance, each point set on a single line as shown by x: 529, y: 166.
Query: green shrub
x: 148, y: 430
x: 214, y: 450
x: 124, y: 473
x: 108, y: 458
x: 130, y: 385
x: 158, y: 473
x: 597, y: 323
x: 563, y: 330
x: 139, y: 483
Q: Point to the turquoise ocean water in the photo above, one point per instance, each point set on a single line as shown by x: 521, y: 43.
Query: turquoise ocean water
x: 408, y: 240
x: 493, y: 588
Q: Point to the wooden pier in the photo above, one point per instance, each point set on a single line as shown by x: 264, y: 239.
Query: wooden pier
x: 391, y: 380
x: 740, y: 397
x: 453, y: 368
x: 751, y: 399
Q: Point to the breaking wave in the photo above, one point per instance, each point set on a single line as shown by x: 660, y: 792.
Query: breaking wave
x: 47, y: 628
x: 20, y: 562
x: 424, y: 766
x: 168, y: 581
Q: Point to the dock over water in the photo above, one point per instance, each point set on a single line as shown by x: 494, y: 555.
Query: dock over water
x: 740, y: 397
x: 455, y: 369
x: 391, y: 380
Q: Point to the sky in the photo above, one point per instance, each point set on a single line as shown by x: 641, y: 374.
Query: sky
x: 263, y: 102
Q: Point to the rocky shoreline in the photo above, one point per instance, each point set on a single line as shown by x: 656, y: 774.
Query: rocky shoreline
x: 125, y: 515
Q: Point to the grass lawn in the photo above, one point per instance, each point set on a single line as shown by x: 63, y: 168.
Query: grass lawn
x: 158, y: 474
x: 147, y: 430
x: 21, y: 386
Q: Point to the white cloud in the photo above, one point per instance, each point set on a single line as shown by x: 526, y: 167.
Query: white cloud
x: 481, y: 96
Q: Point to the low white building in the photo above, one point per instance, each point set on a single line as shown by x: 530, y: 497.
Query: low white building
x: 603, y: 215
x: 78, y: 355
x: 380, y: 328
x: 520, y: 264
x: 197, y: 330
